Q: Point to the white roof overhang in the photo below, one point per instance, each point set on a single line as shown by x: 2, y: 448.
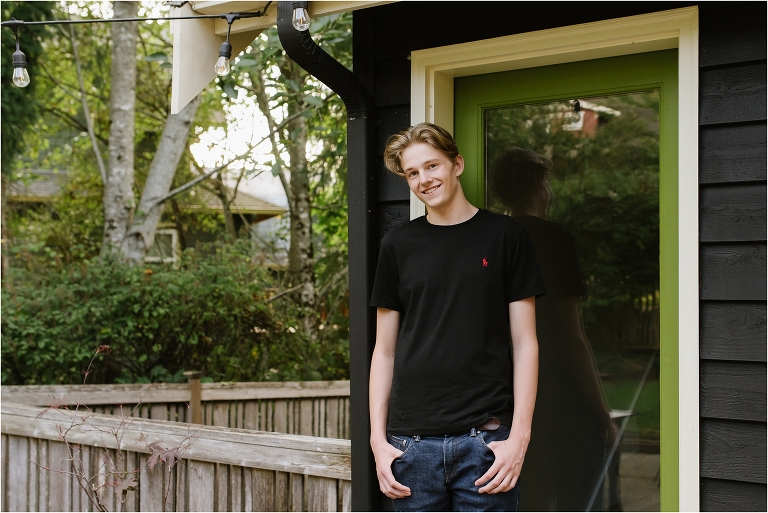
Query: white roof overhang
x: 196, y: 42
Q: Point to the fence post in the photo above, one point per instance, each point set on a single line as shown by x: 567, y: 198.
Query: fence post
x: 195, y: 403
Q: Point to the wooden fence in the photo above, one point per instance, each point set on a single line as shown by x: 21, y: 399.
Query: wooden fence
x: 314, y: 408
x: 223, y: 469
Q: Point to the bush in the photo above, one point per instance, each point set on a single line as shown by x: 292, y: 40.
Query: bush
x: 210, y: 313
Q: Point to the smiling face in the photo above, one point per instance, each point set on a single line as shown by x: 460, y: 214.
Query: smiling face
x: 432, y: 177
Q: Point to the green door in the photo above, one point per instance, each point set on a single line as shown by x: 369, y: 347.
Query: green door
x: 585, y: 156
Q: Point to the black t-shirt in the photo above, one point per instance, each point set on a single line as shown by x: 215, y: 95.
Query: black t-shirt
x: 452, y: 286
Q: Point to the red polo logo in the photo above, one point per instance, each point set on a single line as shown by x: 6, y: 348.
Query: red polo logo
x: 485, y: 262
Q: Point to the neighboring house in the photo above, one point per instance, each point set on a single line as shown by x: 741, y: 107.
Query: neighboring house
x: 45, y: 184
x: 453, y: 63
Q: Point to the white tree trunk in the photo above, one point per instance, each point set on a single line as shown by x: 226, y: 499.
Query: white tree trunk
x: 119, y: 201
x: 173, y: 142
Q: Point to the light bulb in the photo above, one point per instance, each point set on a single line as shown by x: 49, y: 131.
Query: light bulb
x: 300, y: 19
x: 222, y: 63
x: 20, y: 77
x: 20, y: 74
x: 222, y: 66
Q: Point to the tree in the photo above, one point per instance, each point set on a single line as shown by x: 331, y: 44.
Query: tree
x: 19, y: 106
x: 144, y: 143
x: 308, y: 153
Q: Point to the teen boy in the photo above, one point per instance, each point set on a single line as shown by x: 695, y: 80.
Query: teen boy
x: 451, y: 399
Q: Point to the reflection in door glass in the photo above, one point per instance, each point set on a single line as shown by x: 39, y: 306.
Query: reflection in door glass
x: 583, y: 177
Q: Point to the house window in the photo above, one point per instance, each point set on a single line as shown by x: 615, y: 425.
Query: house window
x: 165, y: 247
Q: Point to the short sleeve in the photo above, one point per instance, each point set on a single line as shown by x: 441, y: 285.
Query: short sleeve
x: 385, y: 284
x: 524, y: 275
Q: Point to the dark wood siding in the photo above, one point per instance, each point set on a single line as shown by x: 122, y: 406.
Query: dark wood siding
x: 732, y: 165
x: 733, y: 194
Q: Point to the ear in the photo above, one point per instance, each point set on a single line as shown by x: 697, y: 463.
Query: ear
x: 458, y: 165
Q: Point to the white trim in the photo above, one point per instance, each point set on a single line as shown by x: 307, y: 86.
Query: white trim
x: 174, y: 246
x: 432, y: 100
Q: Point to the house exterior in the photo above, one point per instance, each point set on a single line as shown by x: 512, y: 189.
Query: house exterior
x: 175, y: 230
x: 437, y: 62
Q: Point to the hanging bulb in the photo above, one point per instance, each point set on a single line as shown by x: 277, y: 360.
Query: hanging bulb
x: 300, y: 17
x: 222, y: 63
x: 20, y: 77
x: 576, y: 116
x: 20, y: 74
x: 222, y: 66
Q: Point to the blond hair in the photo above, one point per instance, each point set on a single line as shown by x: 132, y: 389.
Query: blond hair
x: 433, y: 135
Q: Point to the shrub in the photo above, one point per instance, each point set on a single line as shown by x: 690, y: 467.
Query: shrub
x: 210, y: 313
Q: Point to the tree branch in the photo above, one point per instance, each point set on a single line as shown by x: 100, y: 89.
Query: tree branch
x: 286, y: 291
x: 257, y: 87
x: 215, y: 170
x: 86, y: 111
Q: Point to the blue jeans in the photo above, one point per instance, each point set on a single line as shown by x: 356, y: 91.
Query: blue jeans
x: 441, y: 472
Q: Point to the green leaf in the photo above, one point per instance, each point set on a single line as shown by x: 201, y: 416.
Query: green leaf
x: 166, y: 65
x: 313, y: 100
x: 229, y: 88
x: 158, y: 56
x: 246, y: 61
x: 276, y: 169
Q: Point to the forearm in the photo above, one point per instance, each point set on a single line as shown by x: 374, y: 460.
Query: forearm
x: 525, y: 365
x: 379, y: 389
x: 382, y: 370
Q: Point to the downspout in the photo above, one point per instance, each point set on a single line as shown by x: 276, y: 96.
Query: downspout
x: 359, y: 104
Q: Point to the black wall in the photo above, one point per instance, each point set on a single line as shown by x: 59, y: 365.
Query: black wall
x: 733, y: 201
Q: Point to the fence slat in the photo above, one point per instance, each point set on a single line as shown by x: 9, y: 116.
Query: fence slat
x: 306, y: 418
x: 296, y: 490
x: 201, y: 485
x: 221, y: 481
x: 18, y: 472
x: 332, y: 417
x: 59, y: 482
x: 264, y: 489
x: 235, y: 489
x: 248, y: 489
x: 181, y: 486
x: 282, y: 491
x: 43, y: 477
x: 280, y: 423
x: 159, y: 411
x: 34, y: 471
x: 346, y: 495
x: 150, y: 486
x: 82, y: 461
x: 131, y: 461
x: 321, y: 494
x: 250, y: 415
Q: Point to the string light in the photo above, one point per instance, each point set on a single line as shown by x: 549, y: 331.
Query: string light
x: 300, y: 18
x: 225, y: 51
x: 21, y: 75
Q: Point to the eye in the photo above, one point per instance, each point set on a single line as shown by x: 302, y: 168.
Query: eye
x: 412, y: 174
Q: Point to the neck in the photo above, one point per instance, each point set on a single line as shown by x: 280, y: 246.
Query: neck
x: 457, y: 212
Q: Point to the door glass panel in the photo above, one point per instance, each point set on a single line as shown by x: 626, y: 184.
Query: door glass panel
x: 583, y: 178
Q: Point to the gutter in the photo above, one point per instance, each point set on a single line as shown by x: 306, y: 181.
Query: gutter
x: 362, y: 246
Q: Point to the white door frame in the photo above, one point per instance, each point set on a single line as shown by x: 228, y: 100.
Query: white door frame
x: 432, y: 100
